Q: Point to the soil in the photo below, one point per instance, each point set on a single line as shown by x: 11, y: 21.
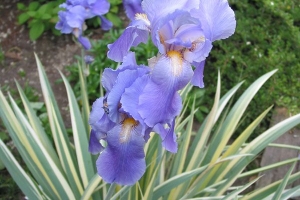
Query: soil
x: 55, y: 52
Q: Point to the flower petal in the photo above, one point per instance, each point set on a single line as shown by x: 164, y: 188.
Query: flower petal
x: 158, y: 104
x: 85, y: 42
x: 105, y: 23
x: 100, y: 7
x: 124, y: 80
x: 99, y: 120
x: 94, y: 143
x: 172, y: 71
x: 217, y: 19
x: 197, y: 79
x: 122, y: 161
x: 132, y: 7
x: 130, y: 98
x: 168, y: 136
x: 132, y: 36
x: 157, y: 9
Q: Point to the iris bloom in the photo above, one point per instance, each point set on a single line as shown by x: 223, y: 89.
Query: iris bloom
x: 120, y: 120
x: 71, y: 20
x: 182, y: 31
x: 141, y: 99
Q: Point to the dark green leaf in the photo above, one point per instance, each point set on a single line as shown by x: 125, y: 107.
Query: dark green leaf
x: 36, y: 30
x: 33, y: 6
x: 32, y: 13
x: 23, y: 18
x: 21, y: 6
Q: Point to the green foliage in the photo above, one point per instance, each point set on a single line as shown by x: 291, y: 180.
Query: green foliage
x: 40, y: 16
x: 204, y: 166
x: 267, y: 37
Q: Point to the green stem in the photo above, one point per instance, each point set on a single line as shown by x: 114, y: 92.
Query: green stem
x: 110, y: 192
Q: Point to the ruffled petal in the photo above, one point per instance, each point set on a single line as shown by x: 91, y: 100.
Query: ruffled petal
x: 123, y: 160
x: 158, y: 104
x: 168, y: 136
x: 76, y: 16
x: 130, y: 98
x: 132, y: 36
x: 199, y: 51
x: 100, y: 7
x: 217, y: 19
x: 124, y: 80
x: 62, y: 24
x: 154, y: 12
x: 197, y: 79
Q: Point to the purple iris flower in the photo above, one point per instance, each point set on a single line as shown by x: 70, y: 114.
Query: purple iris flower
x: 72, y: 19
x: 133, y: 106
x: 188, y: 27
x: 132, y: 7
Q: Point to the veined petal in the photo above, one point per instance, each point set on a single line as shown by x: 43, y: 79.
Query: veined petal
x: 130, y: 98
x: 132, y: 36
x: 172, y: 71
x: 217, y: 19
x: 154, y: 11
x: 168, y: 136
x: 197, y: 79
x: 123, y: 160
x: 158, y: 104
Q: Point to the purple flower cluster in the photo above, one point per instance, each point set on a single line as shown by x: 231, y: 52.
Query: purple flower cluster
x: 71, y: 20
x: 140, y: 99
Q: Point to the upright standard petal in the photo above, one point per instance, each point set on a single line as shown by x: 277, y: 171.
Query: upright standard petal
x: 132, y: 36
x: 123, y: 160
x: 157, y: 9
x: 124, y: 80
x: 217, y: 19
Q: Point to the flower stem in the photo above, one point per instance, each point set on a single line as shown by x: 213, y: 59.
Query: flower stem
x: 111, y: 189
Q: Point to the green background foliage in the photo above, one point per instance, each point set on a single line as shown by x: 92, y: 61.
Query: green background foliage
x: 267, y: 37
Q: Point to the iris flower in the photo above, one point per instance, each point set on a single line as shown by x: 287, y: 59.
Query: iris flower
x: 182, y: 31
x: 123, y: 123
x: 140, y: 99
x: 71, y: 20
